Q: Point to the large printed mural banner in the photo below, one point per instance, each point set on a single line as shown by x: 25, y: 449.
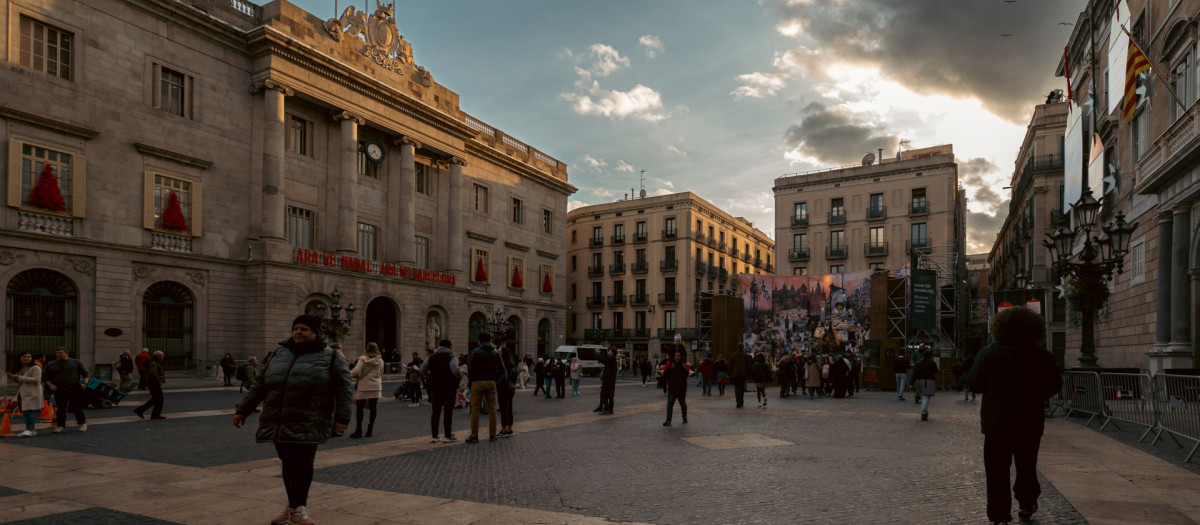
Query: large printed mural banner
x: 808, y: 313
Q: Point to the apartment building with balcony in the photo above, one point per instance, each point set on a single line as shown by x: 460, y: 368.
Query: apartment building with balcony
x: 635, y: 267
x: 871, y: 216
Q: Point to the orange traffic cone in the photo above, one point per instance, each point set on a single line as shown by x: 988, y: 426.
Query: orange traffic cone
x: 6, y: 426
x: 47, y: 412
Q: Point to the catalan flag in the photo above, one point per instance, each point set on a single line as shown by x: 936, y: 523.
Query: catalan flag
x: 1134, y: 65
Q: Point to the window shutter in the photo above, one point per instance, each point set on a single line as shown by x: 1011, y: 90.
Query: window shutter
x: 148, y: 200
x: 79, y: 186
x: 14, y: 174
x: 197, y: 209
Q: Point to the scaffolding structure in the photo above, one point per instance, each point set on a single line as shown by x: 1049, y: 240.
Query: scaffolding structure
x: 949, y: 267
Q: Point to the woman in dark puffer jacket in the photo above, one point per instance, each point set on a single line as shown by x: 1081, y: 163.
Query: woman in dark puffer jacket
x: 304, y: 387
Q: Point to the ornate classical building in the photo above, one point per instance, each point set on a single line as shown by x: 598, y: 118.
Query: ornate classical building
x: 189, y: 175
x: 636, y: 268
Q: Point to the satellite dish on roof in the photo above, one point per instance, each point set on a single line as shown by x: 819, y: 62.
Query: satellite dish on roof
x: 868, y: 159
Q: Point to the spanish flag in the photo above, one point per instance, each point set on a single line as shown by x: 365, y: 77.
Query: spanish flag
x: 1134, y: 65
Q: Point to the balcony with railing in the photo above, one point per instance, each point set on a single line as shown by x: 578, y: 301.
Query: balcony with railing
x: 799, y: 222
x: 918, y: 207
x: 711, y: 241
x: 640, y: 237
x: 837, y: 216
x: 640, y: 267
x: 47, y: 223
x: 701, y: 268
x: 1161, y: 156
x: 616, y: 269
x: 595, y: 271
x: 596, y: 242
x: 733, y: 251
x: 701, y: 238
x: 595, y: 302
x: 720, y: 246
x: 724, y: 274
x: 798, y: 254
x: 919, y: 244
x: 836, y: 252
x: 641, y: 332
x: 746, y: 257
x: 670, y: 234
x: 669, y: 265
x: 616, y: 300
x: 515, y: 149
x: 637, y: 299
x: 875, y: 249
x: 876, y: 213
x: 618, y: 239
x: 668, y: 298
x: 758, y: 262
x: 769, y: 267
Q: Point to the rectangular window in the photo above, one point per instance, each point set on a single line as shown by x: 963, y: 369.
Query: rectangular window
x: 669, y: 254
x: 639, y: 321
x: 919, y: 203
x: 301, y: 228
x: 801, y: 211
x: 573, y: 239
x: 919, y: 234
x: 1137, y: 258
x: 876, y: 236
x: 597, y: 290
x: 837, y: 207
x: 800, y: 271
x: 481, y: 199
x: 669, y: 225
x: 619, y: 258
x: 669, y: 319
x: 163, y: 187
x: 424, y: 178
x: 597, y: 319
x: 516, y: 273
x: 422, y: 249
x: 639, y: 287
x: 366, y: 168
x: 34, y: 160
x: 1140, y: 133
x: 482, y: 261
x: 800, y: 241
x: 619, y: 232
x: 619, y: 289
x: 669, y: 286
x: 618, y: 321
x: 837, y: 268
x: 366, y: 241
x: 174, y: 92
x: 574, y: 264
x: 546, y: 283
x: 547, y: 221
x: 837, y: 239
x: 596, y: 259
x: 874, y: 266
x: 297, y: 135
x: 571, y: 290
x: 597, y: 235
x: 1181, y: 85
x: 517, y: 212
x: 47, y: 49
x: 639, y: 229
x: 640, y: 256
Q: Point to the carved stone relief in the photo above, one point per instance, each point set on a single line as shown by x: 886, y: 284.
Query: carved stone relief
x: 384, y: 43
x: 197, y: 277
x: 142, y: 272
x: 9, y: 257
x: 83, y: 266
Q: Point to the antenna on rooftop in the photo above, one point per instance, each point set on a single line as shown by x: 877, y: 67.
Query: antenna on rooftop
x: 642, y: 177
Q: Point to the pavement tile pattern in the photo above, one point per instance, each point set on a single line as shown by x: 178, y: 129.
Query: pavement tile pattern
x: 93, y: 516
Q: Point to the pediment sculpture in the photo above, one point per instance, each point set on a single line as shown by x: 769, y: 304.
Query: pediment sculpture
x: 385, y: 45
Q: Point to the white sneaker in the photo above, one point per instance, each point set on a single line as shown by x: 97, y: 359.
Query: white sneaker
x: 83, y: 427
x: 27, y: 433
x: 58, y: 430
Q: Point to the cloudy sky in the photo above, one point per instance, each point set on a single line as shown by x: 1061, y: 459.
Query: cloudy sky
x: 722, y: 97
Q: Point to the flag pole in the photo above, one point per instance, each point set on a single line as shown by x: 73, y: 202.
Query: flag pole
x: 1154, y: 68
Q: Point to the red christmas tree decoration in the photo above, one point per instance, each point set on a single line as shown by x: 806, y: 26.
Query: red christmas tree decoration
x: 546, y: 286
x: 480, y: 272
x: 172, y: 217
x: 516, y: 278
x: 46, y: 194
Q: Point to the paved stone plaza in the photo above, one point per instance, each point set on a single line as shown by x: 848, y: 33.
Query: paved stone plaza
x: 864, y: 460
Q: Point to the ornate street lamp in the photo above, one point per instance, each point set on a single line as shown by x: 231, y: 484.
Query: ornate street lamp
x: 332, y: 323
x: 1022, y: 280
x: 1091, y: 266
x: 498, y: 326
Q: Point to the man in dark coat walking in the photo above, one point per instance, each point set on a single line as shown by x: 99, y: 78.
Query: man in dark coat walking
x: 608, y: 381
x: 1016, y: 375
x: 739, y: 370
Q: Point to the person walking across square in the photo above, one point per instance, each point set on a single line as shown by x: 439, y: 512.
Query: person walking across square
x: 739, y: 370
x: 900, y: 367
x: 484, y: 368
x: 608, y: 381
x: 676, y: 372
x: 442, y: 374
x: 156, y: 376
x: 63, y: 376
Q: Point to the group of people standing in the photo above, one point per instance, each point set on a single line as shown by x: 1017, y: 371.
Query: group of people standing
x: 552, y: 369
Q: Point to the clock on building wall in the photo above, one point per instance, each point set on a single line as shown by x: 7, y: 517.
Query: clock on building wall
x: 374, y: 151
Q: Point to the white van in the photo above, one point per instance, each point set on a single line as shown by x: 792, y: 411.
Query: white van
x: 587, y: 356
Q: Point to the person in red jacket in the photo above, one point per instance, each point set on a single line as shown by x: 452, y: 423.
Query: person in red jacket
x: 141, y: 361
x: 708, y: 371
x: 675, y: 373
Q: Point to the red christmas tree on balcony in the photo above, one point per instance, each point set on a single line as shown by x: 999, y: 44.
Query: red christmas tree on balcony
x: 546, y: 286
x: 46, y: 194
x: 480, y: 273
x: 172, y: 217
x: 516, y: 278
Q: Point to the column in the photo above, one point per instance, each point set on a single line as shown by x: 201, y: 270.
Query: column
x: 454, y: 220
x: 406, y: 251
x: 1162, y: 328
x: 273, y: 206
x: 347, y: 241
x: 1181, y: 292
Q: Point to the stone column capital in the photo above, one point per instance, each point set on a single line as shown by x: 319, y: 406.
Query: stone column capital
x: 1164, y: 216
x: 1183, y: 208
x: 407, y: 141
x: 272, y: 85
x: 346, y: 115
x: 457, y: 161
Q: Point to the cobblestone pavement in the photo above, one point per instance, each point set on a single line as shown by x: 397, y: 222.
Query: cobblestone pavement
x: 864, y: 460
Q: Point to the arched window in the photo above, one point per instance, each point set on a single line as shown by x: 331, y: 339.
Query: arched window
x: 475, y: 326
x: 41, y: 315
x: 512, y: 335
x: 167, y: 323
x: 543, y: 338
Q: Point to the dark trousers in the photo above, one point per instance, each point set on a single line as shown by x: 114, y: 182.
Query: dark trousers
x: 540, y: 386
x: 141, y: 380
x: 297, y: 461
x: 443, y: 406
x: 607, y: 389
x: 739, y: 389
x: 69, y: 400
x: 560, y: 386
x: 999, y: 452
x: 155, y: 402
x: 504, y: 397
x: 672, y: 397
x: 361, y: 405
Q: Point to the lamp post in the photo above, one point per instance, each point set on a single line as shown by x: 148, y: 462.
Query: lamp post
x: 1091, y: 265
x: 497, y: 326
x: 331, y: 319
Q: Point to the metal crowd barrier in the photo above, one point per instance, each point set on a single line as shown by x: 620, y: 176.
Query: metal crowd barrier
x: 1177, y: 404
x: 1083, y: 394
x: 1129, y: 398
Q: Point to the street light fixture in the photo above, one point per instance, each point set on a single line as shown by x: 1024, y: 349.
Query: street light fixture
x: 331, y: 320
x: 497, y: 326
x: 1091, y: 266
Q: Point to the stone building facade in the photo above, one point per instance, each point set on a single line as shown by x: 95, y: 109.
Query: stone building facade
x: 870, y: 216
x: 1153, y: 177
x: 636, y: 268
x: 225, y: 166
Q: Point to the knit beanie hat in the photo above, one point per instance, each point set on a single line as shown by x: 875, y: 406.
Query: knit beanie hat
x: 310, y: 321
